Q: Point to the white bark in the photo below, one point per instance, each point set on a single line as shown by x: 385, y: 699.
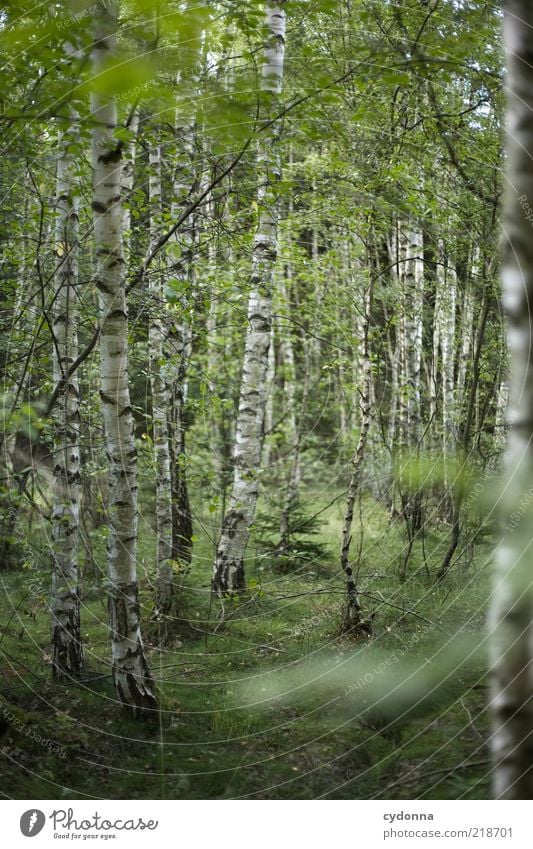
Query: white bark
x: 410, y: 329
x: 67, y: 651
x: 394, y: 423
x: 131, y: 675
x: 353, y: 621
x: 403, y: 338
x: 160, y: 399
x: 511, y: 617
x: 178, y: 338
x: 270, y: 392
x: 293, y: 426
x: 127, y: 181
x: 448, y: 296
x: 218, y: 356
x: 413, y: 327
x: 435, y: 351
x: 314, y: 342
x: 467, y: 325
x: 229, y: 562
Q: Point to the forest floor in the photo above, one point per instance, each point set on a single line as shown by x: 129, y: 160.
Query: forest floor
x: 209, y: 740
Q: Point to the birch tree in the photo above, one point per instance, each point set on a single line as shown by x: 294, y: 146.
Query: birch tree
x: 414, y: 327
x: 160, y: 399
x: 293, y: 425
x: 511, y: 614
x: 407, y: 248
x: 467, y: 324
x: 447, y: 282
x: 178, y: 335
x: 133, y: 680
x: 229, y: 562
x: 127, y: 180
x: 353, y: 620
x: 67, y: 652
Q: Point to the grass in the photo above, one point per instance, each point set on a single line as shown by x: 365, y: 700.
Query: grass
x: 209, y: 741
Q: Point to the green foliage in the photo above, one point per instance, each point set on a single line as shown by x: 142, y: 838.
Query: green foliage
x: 301, y: 549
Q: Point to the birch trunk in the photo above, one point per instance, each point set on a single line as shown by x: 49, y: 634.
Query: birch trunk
x: 289, y: 376
x: 133, y: 680
x: 218, y: 360
x: 448, y: 285
x: 127, y: 181
x: 403, y: 329
x: 270, y: 393
x: 160, y: 401
x: 229, y: 562
x: 394, y: 355
x: 415, y: 289
x: 315, y: 343
x: 178, y: 343
x: 411, y: 275
x: 435, y: 350
x: 467, y: 325
x: 392, y: 429
x: 511, y: 617
x: 288, y: 361
x: 353, y: 621
x: 67, y: 651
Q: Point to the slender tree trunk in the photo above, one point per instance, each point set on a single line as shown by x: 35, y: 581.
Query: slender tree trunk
x: 347, y: 412
x: 127, y: 181
x: 160, y: 400
x: 390, y: 436
x: 315, y: 344
x: 218, y: 359
x: 410, y: 330
x: 289, y: 376
x: 178, y: 343
x: 415, y: 288
x: 229, y: 563
x: 353, y: 621
x: 403, y: 340
x: 133, y: 680
x: 511, y: 617
x: 288, y: 363
x: 448, y: 283
x: 67, y: 651
x: 433, y: 390
x: 270, y: 393
x: 401, y: 433
x: 467, y: 324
